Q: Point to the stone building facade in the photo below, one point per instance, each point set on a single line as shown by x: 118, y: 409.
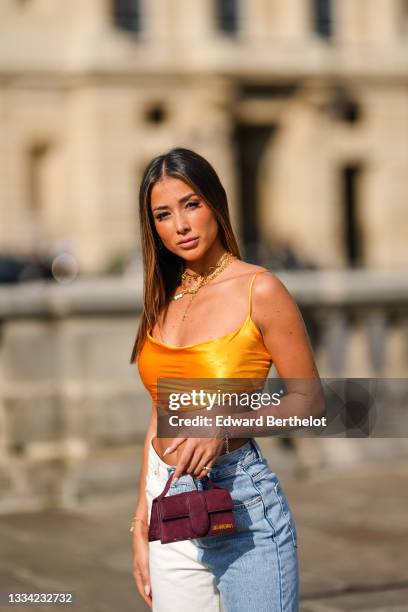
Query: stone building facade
x: 301, y: 105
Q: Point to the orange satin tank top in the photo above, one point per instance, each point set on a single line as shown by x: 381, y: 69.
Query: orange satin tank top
x: 239, y: 354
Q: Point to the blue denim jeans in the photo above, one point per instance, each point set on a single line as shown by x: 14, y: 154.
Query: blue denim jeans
x: 255, y: 569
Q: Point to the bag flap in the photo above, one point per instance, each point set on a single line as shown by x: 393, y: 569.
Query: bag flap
x: 197, y: 505
x: 174, y: 506
x: 219, y: 500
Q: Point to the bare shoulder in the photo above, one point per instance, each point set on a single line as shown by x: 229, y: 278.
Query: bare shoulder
x: 267, y: 285
x: 284, y: 333
x: 272, y: 303
x: 243, y: 268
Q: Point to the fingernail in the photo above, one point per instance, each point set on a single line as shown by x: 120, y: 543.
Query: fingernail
x: 147, y: 589
x: 166, y: 451
x: 175, y: 479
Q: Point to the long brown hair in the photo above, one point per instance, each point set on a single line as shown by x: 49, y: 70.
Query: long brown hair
x: 161, y: 267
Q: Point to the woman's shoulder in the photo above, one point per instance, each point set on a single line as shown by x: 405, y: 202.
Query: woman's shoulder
x: 244, y: 268
x: 271, y: 298
x: 266, y: 284
x: 265, y: 279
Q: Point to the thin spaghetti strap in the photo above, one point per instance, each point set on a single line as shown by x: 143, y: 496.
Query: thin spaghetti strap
x: 250, y: 291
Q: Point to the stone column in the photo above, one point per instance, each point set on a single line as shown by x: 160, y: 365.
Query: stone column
x: 367, y: 21
x: 193, y: 20
x: 383, y: 20
x: 294, y: 19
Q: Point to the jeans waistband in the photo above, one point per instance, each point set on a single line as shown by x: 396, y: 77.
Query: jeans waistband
x: 226, y: 463
x: 156, y: 465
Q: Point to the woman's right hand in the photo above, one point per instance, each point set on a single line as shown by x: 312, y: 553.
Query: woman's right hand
x: 141, y: 573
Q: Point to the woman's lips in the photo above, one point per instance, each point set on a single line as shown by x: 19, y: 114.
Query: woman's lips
x: 191, y: 244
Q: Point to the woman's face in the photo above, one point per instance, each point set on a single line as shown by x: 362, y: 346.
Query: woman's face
x: 184, y: 222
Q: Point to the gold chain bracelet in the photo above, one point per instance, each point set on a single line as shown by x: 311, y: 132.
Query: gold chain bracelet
x: 133, y: 521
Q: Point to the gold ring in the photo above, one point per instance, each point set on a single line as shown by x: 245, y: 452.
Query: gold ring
x: 205, y: 467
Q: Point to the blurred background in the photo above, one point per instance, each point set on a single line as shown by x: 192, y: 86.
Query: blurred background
x: 302, y: 108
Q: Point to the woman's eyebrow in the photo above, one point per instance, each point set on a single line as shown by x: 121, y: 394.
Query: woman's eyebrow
x: 181, y: 201
x: 186, y: 197
x: 163, y: 206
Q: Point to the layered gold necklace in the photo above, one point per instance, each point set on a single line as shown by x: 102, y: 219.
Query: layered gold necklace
x: 192, y: 283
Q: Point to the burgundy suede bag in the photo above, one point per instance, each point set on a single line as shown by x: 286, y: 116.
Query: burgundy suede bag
x: 193, y: 514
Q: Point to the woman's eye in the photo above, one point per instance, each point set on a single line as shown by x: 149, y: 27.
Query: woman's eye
x: 192, y: 204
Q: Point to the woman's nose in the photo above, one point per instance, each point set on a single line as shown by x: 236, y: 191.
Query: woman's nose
x: 182, y: 224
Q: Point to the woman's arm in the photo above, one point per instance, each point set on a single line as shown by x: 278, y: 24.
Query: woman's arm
x: 278, y: 318
x: 140, y: 544
x: 141, y: 504
x: 284, y: 333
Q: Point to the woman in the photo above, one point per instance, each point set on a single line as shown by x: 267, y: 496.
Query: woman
x: 194, y: 274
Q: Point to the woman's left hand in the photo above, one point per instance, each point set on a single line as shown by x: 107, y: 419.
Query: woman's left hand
x: 196, y: 453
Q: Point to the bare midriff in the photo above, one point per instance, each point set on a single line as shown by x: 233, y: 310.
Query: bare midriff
x: 160, y: 445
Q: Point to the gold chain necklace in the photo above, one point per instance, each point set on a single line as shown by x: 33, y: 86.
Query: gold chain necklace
x: 214, y: 271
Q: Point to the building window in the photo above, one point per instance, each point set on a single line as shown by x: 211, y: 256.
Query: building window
x: 126, y: 14
x: 251, y: 143
x: 353, y: 238
x: 156, y: 114
x: 38, y: 165
x: 227, y: 16
x: 323, y: 18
